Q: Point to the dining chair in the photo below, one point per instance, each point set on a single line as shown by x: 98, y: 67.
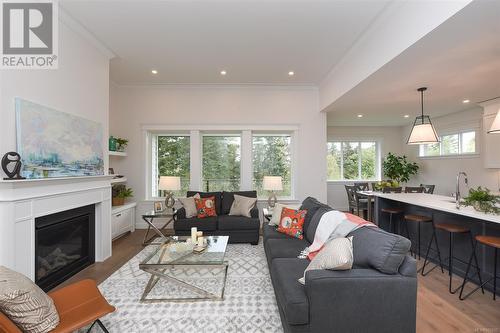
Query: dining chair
x: 429, y: 189
x: 362, y: 186
x: 392, y: 190
x: 356, y: 202
x: 414, y: 189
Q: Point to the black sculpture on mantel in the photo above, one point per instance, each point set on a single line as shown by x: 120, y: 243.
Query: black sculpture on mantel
x: 15, y: 159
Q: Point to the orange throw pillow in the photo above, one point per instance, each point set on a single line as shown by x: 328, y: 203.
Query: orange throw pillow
x: 292, y: 222
x: 205, y: 207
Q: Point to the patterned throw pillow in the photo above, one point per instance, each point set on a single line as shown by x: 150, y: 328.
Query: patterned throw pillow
x: 205, y: 207
x: 336, y: 255
x: 292, y: 222
x: 26, y: 305
x: 276, y: 217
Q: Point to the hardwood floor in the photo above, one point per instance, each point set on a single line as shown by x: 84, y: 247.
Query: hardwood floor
x: 437, y: 310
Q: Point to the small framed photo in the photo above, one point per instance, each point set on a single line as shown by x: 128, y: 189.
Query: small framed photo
x: 111, y: 171
x: 158, y: 206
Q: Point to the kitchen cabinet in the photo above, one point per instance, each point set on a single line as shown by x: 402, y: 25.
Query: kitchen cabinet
x: 491, y: 144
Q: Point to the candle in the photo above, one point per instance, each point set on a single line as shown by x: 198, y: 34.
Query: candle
x: 193, y: 234
x: 200, y: 241
x: 199, y: 233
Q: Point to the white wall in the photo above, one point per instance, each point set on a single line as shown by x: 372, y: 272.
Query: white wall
x: 389, y: 139
x: 442, y: 171
x: 80, y: 86
x: 133, y: 106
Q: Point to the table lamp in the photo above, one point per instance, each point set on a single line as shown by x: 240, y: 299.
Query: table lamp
x: 169, y: 184
x: 272, y: 183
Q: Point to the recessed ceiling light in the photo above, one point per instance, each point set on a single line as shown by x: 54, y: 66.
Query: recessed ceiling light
x: 465, y: 101
x: 360, y: 116
x: 154, y: 71
x: 291, y: 73
x: 406, y: 116
x: 223, y: 72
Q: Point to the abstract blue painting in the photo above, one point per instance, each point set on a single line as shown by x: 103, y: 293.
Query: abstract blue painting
x: 57, y: 144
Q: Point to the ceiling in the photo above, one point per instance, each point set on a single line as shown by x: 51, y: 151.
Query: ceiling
x: 256, y: 42
x: 458, y: 60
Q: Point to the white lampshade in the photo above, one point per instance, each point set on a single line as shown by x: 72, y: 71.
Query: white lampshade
x: 495, y: 127
x: 273, y: 183
x: 422, y: 134
x: 169, y: 183
x: 422, y: 131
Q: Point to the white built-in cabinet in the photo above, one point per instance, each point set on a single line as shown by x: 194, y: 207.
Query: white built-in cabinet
x: 122, y: 220
x: 491, y: 142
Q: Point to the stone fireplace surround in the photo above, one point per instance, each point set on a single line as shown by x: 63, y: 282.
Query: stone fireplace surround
x: 22, y: 201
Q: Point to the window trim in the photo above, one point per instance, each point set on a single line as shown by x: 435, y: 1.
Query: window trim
x: 378, y: 160
x: 459, y: 155
x: 196, y: 133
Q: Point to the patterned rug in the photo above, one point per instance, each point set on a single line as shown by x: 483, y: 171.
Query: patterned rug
x: 249, y: 303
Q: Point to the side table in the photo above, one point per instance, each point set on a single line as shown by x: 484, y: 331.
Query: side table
x: 149, y: 218
x: 268, y: 215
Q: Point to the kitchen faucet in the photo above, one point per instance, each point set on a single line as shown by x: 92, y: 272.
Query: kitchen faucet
x: 457, y: 193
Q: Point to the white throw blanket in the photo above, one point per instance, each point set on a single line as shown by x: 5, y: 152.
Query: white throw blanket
x: 333, y: 224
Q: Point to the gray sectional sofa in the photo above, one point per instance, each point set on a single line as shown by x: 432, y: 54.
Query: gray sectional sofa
x: 378, y: 295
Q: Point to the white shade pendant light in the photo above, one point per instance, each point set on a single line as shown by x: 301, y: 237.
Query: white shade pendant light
x: 495, y: 127
x: 423, y: 131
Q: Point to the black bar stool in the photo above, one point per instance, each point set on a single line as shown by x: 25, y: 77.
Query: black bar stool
x: 453, y: 229
x: 493, y: 242
x: 419, y: 219
x: 392, y: 210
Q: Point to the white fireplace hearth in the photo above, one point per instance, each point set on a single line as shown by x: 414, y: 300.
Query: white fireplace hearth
x: 22, y: 201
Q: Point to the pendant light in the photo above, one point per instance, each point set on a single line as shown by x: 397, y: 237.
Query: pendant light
x: 423, y: 131
x: 495, y: 127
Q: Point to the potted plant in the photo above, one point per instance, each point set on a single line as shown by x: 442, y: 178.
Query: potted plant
x: 482, y: 200
x: 398, y: 169
x: 120, y: 193
x: 379, y: 186
x: 121, y: 144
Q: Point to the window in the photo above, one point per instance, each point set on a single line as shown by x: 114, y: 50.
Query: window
x: 219, y: 158
x: 171, y: 154
x: 461, y: 143
x: 221, y: 163
x: 271, y: 156
x: 353, y: 160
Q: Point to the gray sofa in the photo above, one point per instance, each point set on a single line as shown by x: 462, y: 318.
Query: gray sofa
x: 240, y: 229
x: 378, y: 295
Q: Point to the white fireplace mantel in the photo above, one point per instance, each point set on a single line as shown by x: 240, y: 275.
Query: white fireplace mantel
x: 21, y: 201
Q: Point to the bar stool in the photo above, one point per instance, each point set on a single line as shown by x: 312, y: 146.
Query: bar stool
x: 493, y: 242
x: 392, y: 210
x: 453, y: 229
x: 419, y: 219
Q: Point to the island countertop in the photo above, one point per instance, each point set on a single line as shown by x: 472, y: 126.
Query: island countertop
x: 437, y: 202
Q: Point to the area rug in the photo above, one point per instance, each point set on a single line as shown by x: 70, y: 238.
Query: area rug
x: 249, y: 303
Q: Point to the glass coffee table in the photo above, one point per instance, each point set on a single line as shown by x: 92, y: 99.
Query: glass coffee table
x: 172, y: 255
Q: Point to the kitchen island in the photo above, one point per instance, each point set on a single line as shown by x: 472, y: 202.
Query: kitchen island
x: 443, y: 210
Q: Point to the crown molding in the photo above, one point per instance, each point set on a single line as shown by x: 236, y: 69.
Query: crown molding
x: 73, y: 24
